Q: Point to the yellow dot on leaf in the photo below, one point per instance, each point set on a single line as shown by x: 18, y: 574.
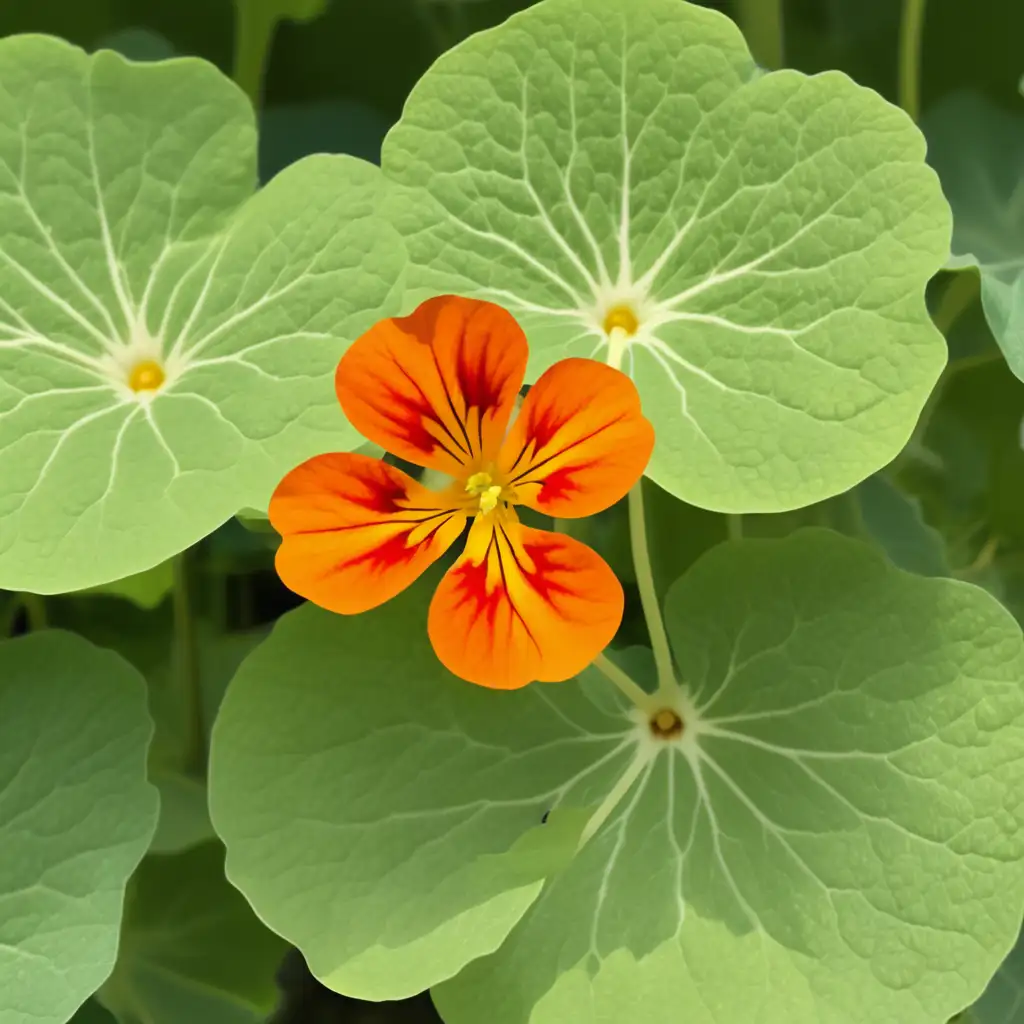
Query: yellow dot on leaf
x: 146, y: 376
x: 621, y: 317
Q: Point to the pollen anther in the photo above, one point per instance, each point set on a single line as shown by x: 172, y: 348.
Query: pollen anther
x: 482, y: 486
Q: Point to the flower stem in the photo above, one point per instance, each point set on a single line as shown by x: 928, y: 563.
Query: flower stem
x: 35, y: 611
x: 255, y: 25
x: 636, y: 693
x: 734, y: 526
x: 956, y: 300
x: 640, y: 761
x: 761, y: 21
x: 911, y: 33
x: 186, y: 670
x: 648, y: 594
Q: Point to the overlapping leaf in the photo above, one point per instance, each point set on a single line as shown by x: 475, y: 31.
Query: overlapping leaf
x: 76, y: 816
x: 771, y: 236
x: 131, y: 236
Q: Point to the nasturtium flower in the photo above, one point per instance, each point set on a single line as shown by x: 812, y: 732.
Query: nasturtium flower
x: 438, y: 388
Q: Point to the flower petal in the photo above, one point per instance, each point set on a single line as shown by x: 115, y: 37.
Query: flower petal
x: 437, y: 387
x: 523, y: 605
x: 580, y: 441
x: 356, y: 531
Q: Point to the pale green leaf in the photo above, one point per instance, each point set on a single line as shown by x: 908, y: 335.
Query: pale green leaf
x: 131, y: 235
x: 385, y: 817
x: 836, y: 838
x: 76, y: 816
x: 772, y: 235
x: 192, y: 952
x: 978, y: 150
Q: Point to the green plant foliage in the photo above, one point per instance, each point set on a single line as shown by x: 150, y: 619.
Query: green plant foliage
x: 835, y: 838
x: 353, y: 778
x: 771, y: 234
x: 978, y: 149
x: 76, y: 816
x: 790, y: 789
x: 191, y: 949
x: 132, y: 237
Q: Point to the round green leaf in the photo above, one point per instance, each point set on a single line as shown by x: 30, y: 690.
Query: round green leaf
x: 76, y: 816
x: 132, y: 236
x: 836, y: 838
x: 191, y: 949
x: 384, y: 816
x: 978, y: 151
x: 772, y: 235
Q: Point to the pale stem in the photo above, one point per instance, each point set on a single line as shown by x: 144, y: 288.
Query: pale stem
x: 911, y: 33
x: 255, y: 25
x: 648, y: 594
x: 640, y: 761
x: 186, y: 669
x: 734, y: 524
x: 35, y: 611
x: 633, y: 691
x: 761, y: 21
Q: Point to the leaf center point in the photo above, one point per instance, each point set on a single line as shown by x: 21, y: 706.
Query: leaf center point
x: 621, y: 317
x: 666, y: 724
x: 147, y: 375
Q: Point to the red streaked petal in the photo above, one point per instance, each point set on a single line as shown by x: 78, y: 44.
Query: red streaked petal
x: 356, y: 531
x: 580, y: 441
x: 523, y: 605
x: 436, y: 387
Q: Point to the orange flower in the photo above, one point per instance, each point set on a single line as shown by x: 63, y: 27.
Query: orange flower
x: 437, y: 388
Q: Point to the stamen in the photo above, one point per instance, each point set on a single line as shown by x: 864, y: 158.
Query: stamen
x: 489, y: 499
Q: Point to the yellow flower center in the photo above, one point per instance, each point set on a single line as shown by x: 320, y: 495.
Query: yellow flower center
x: 146, y: 376
x: 482, y: 486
